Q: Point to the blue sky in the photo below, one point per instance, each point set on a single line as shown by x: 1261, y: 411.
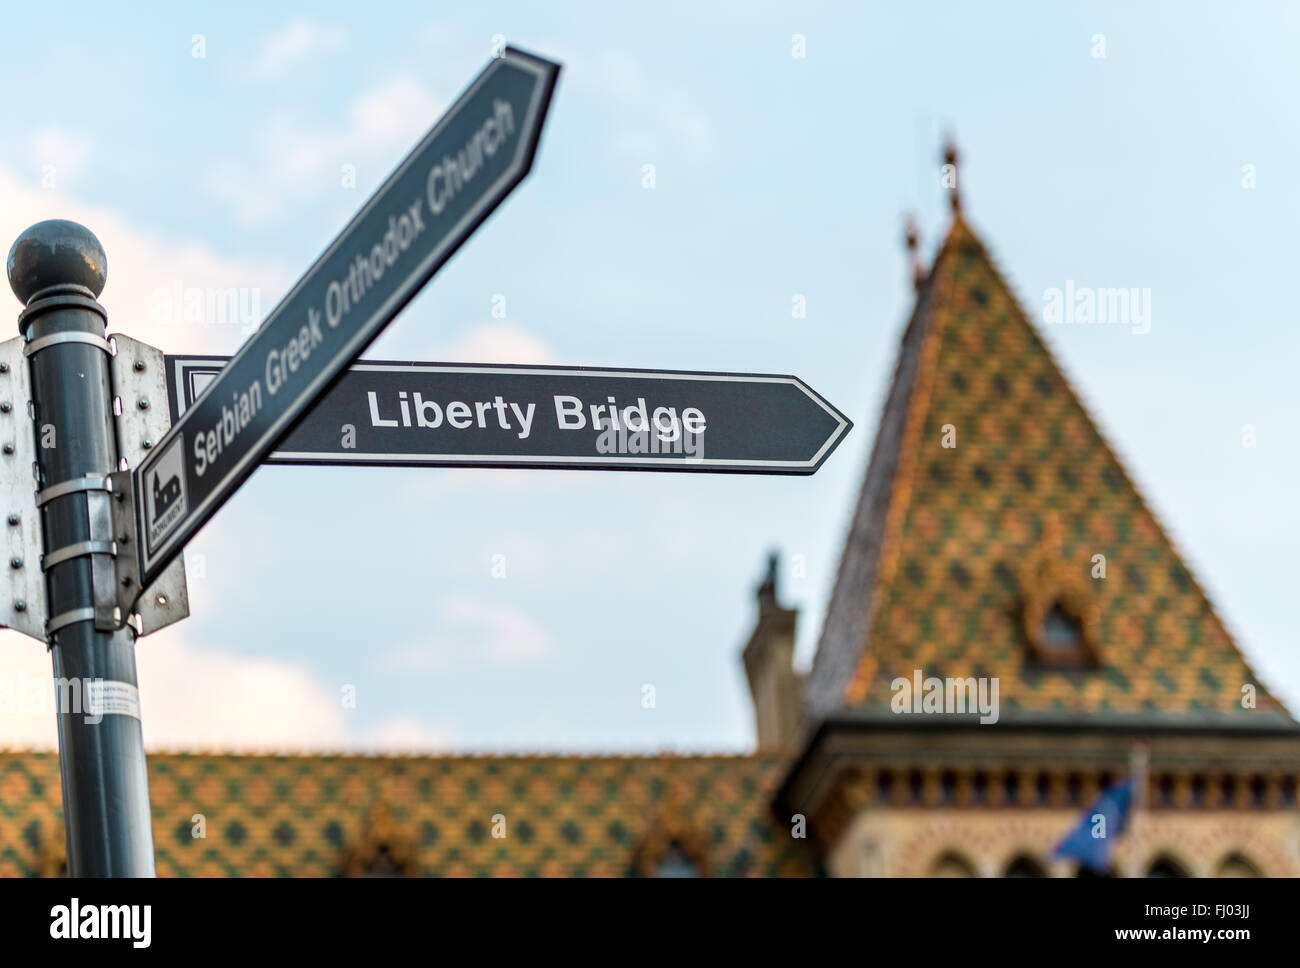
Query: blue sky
x: 775, y: 176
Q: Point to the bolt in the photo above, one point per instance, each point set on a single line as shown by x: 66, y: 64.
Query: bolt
x: 15, y: 562
x: 4, y: 367
x: 8, y: 448
x: 138, y: 365
x: 147, y: 444
x: 6, y: 407
x: 124, y: 538
x: 143, y: 404
x: 13, y: 519
x: 119, y: 496
x: 20, y: 606
x: 126, y: 581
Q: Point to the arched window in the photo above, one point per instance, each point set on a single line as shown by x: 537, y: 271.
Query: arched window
x: 1087, y: 872
x: 382, y: 864
x: 674, y: 843
x: 1025, y: 866
x: 1236, y: 865
x: 1059, y: 614
x: 674, y: 863
x: 1166, y: 866
x: 952, y: 864
x: 382, y: 848
x: 1062, y: 633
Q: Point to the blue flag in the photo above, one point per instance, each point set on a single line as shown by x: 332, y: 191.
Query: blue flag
x: 1091, y: 841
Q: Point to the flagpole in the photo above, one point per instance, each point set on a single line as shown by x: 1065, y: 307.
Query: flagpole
x: 1139, y: 760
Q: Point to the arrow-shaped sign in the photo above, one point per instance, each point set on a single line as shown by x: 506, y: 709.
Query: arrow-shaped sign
x: 479, y: 415
x: 457, y: 175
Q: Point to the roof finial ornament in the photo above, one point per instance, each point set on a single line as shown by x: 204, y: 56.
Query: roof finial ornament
x: 948, y: 174
x: 767, y: 590
x: 912, y: 236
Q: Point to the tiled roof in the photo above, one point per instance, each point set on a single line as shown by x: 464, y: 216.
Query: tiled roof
x: 954, y: 553
x: 317, y: 815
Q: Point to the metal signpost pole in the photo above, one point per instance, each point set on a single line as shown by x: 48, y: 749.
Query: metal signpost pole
x: 57, y: 269
x: 110, y: 542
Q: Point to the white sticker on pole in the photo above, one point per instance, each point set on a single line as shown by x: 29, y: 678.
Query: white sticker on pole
x: 108, y: 697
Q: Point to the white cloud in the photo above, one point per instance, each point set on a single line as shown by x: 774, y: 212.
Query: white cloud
x: 297, y: 41
x: 296, y: 161
x: 144, y: 269
x: 395, y: 113
x: 196, y: 698
x: 658, y: 117
x: 199, y: 698
x: 66, y: 151
x: 409, y: 734
x: 494, y: 343
x: 190, y: 698
x: 26, y: 704
x: 477, y: 632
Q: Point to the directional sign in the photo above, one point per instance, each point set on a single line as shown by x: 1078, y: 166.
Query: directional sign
x: 457, y: 175
x: 472, y: 415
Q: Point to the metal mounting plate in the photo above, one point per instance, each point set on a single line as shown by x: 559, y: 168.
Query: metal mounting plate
x: 24, y: 584
x: 140, y: 382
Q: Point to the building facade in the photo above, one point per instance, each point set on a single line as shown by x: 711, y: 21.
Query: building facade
x: 999, y: 550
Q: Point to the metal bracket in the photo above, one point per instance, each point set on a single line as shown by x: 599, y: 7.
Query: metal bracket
x: 95, y: 482
x: 23, y: 605
x: 54, y: 339
x: 126, y: 566
x: 140, y: 382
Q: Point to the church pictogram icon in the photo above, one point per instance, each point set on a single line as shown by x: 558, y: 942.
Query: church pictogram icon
x: 165, y: 495
x: 165, y: 484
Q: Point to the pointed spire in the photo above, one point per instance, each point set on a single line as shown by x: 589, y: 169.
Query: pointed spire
x: 767, y: 590
x: 949, y: 178
x: 912, y: 237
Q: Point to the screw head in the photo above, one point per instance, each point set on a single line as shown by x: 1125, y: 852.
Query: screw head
x: 143, y: 403
x: 138, y: 365
x: 15, y: 562
x: 20, y: 606
x: 8, y: 448
x: 4, y: 367
x: 6, y: 407
x: 13, y: 519
x: 56, y: 252
x: 146, y: 444
x: 126, y: 581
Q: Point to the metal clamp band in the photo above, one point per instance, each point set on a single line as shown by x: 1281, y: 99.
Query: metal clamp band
x: 42, y: 342
x: 61, y: 296
x: 79, y: 550
x: 91, y: 482
x: 70, y: 617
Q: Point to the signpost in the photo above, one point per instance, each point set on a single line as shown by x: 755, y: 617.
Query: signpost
x: 479, y: 415
x: 457, y: 175
x: 94, y: 539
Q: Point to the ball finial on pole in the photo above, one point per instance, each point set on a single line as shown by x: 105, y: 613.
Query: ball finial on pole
x: 56, y: 253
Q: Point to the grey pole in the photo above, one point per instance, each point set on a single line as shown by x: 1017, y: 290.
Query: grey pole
x: 57, y: 269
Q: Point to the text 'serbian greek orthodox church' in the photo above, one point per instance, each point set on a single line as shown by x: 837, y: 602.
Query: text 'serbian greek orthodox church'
x: 974, y: 561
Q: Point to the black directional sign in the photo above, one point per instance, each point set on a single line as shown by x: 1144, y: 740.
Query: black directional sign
x: 457, y: 175
x: 482, y: 415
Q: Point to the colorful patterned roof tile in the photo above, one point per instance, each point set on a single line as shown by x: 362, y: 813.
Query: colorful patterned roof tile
x: 988, y: 495
x: 570, y: 816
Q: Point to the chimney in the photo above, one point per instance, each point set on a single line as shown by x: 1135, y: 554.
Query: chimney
x: 776, y: 689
